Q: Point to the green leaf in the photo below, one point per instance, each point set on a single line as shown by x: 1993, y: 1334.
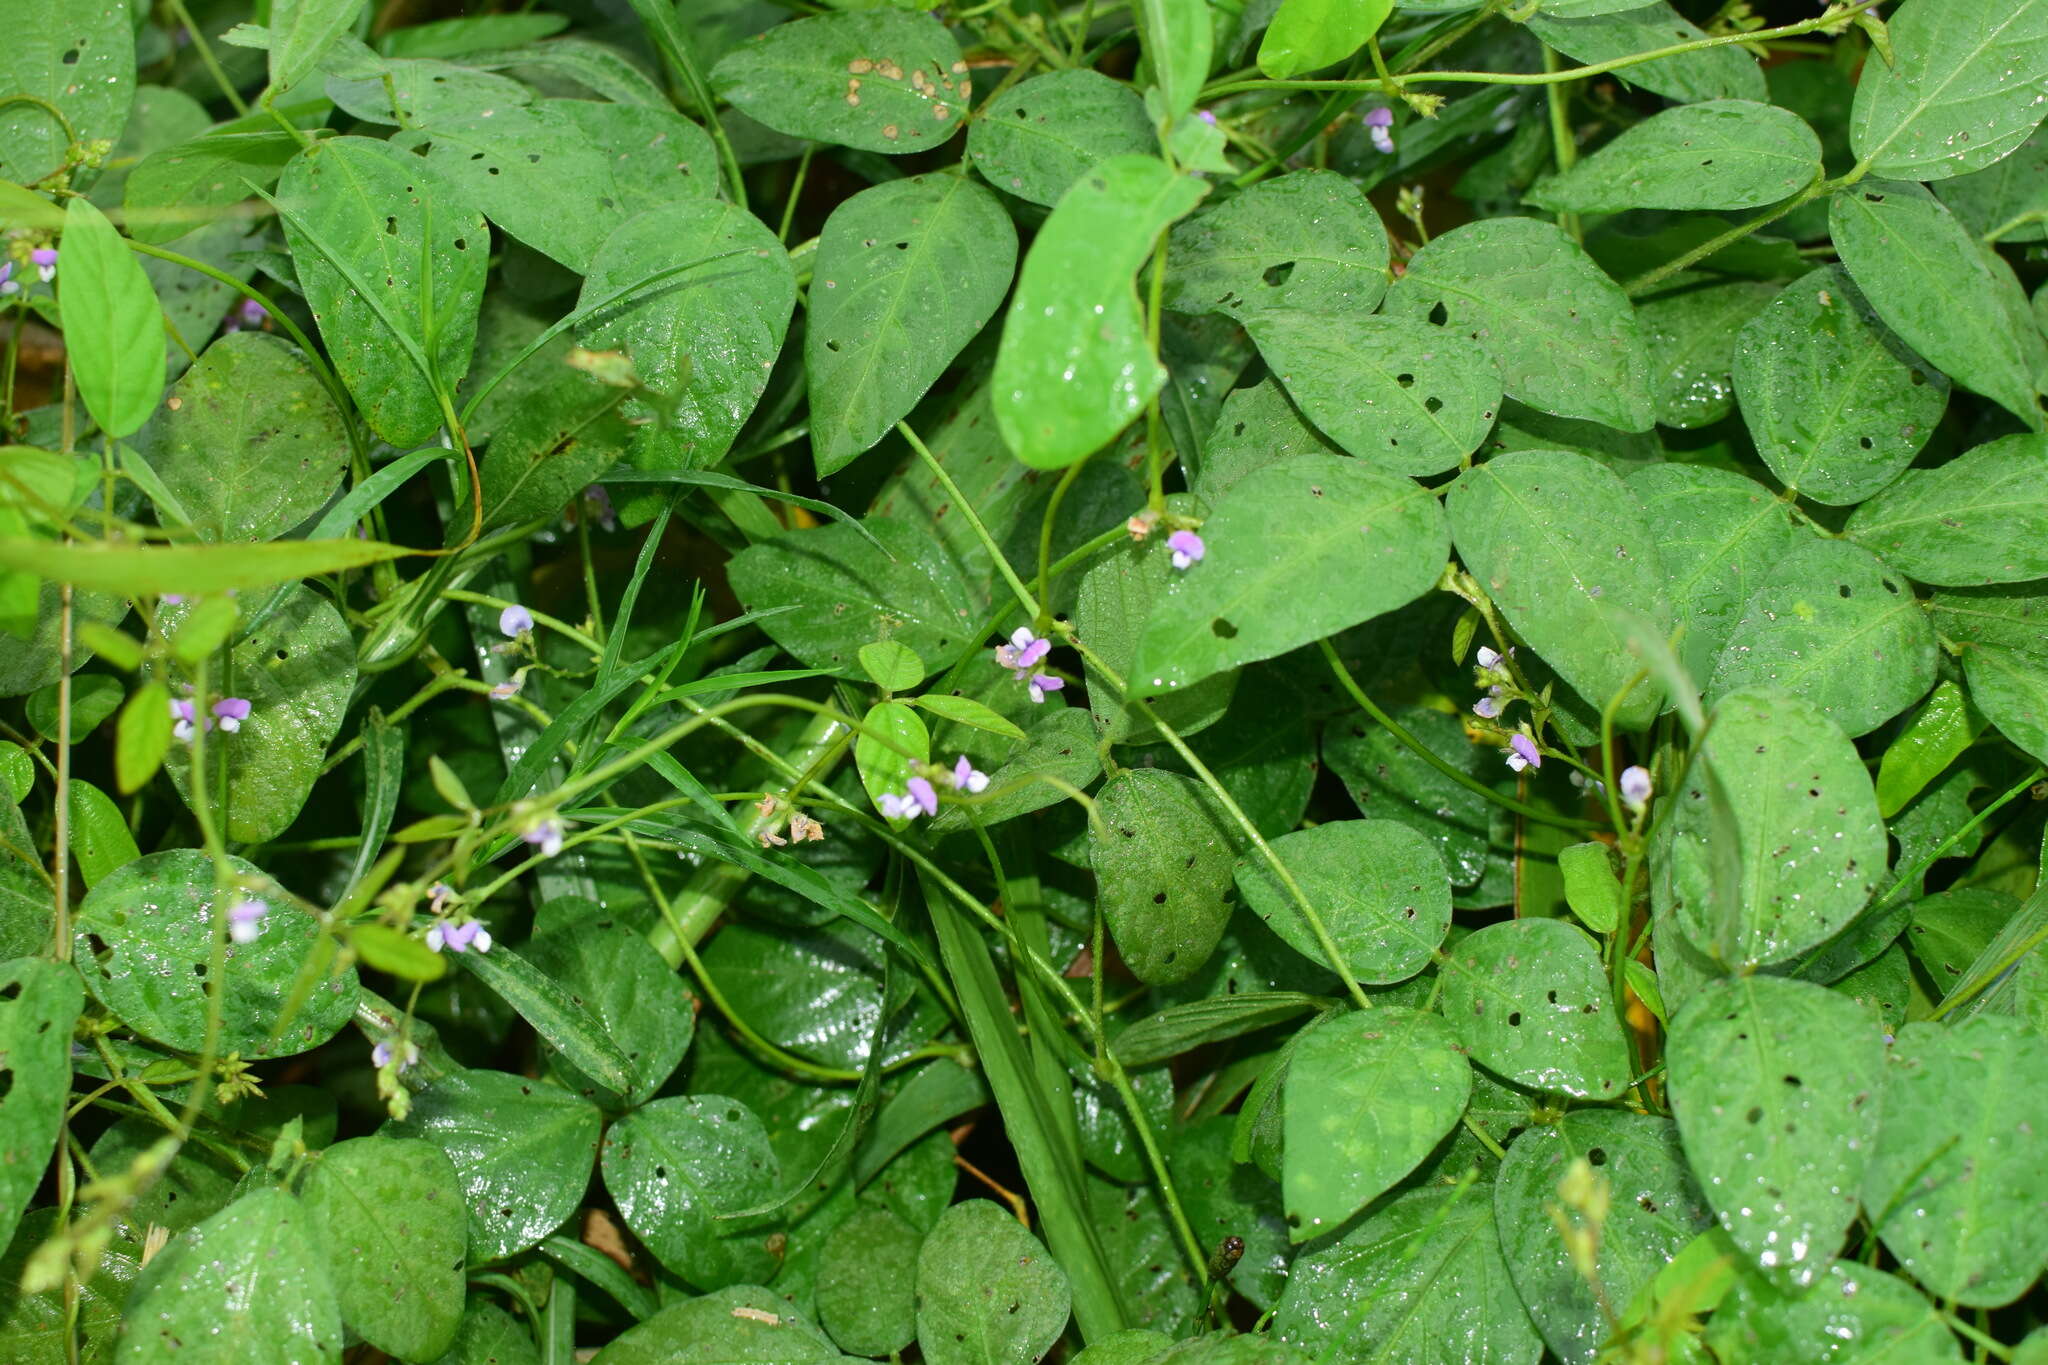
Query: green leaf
x: 561, y: 175
x: 2004, y: 649
x: 1775, y: 1087
x: 414, y: 92
x: 1529, y: 999
x: 390, y: 1213
x: 181, y: 189
x: 1161, y: 849
x: 1808, y: 838
x: 1278, y: 532
x: 113, y: 329
x: 1830, y: 624
x: 842, y: 590
x: 144, y: 944
x: 142, y: 736
x: 1940, y: 290
x: 1181, y: 1028
x: 1602, y: 32
x: 1939, y: 732
x: 124, y: 567
x: 522, y: 1150
x: 389, y: 256
x: 879, y: 80
x: 1305, y: 242
x: 969, y: 712
x: 1655, y: 1210
x: 1590, y: 886
x: 1718, y: 154
x: 906, y: 274
x: 1977, y: 519
x: 94, y: 697
x: 1177, y: 38
x: 1308, y: 35
x: 33, y: 1327
x: 1836, y: 403
x: 1117, y: 598
x: 1950, y: 931
x: 99, y: 833
x: 1569, y: 556
x: 1389, y: 781
x: 1689, y: 327
x: 675, y: 1166
x: 1074, y: 366
x: 1368, y: 1094
x: 1947, y: 102
x: 205, y: 629
x: 39, y: 1004
x: 252, y: 444
x: 489, y: 1335
x: 1378, y: 885
x: 703, y: 336
x: 1853, y: 1316
x: 556, y: 1015
x: 1401, y: 395
x: 1060, y: 746
x: 1565, y: 336
x: 740, y: 1324
x: 1421, y: 1279
x: 1042, y: 134
x: 2002, y: 197
x: 402, y: 955
x: 301, y: 31
x: 893, y: 665
x: 987, y: 1293
x: 76, y: 56
x: 246, y: 1284
x: 867, y: 1283
x: 1952, y: 1185
x: 297, y: 670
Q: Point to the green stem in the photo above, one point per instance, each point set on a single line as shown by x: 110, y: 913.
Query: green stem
x: 1002, y: 563
x: 206, y: 57
x: 1650, y: 278
x: 659, y: 17
x: 1564, y: 147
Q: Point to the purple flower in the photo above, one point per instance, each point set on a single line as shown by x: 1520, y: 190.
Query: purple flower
x: 173, y: 599
x: 1377, y: 123
x: 601, y: 506
x: 184, y: 719
x: 1042, y: 683
x: 231, y: 712
x: 515, y: 621
x: 245, y: 919
x: 45, y: 258
x: 1524, y: 753
x: 1023, y: 651
x: 966, y: 778
x: 382, y: 1054
x: 7, y: 284
x: 1488, y: 706
x: 1205, y: 116
x: 438, y: 896
x: 896, y: 806
x: 459, y: 938
x: 546, y: 834
x: 1187, y: 548
x: 1635, y: 787
x: 924, y: 794
x: 1488, y: 658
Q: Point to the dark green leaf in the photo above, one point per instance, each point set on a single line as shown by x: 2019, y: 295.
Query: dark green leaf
x: 389, y: 1213
x: 556, y: 1015
x: 1947, y: 102
x: 675, y: 1166
x: 1378, y: 885
x: 1853, y: 1316
x: 301, y: 31
x: 1612, y: 30
x: 1306, y: 242
x: 867, y: 1283
x: 99, y: 833
x: 1689, y: 328
x: 1162, y: 850
x: 1117, y: 598
x: 1529, y: 999
x: 641, y: 1004
x: 78, y: 57
x: 1978, y: 519
x: 987, y: 1294
x: 881, y: 80
x: 1718, y: 154
x: 1041, y: 135
x: 2003, y: 638
x: 39, y: 1004
x: 731, y: 1325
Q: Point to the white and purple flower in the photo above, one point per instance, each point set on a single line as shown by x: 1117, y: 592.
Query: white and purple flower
x: 967, y: 778
x: 1635, y: 786
x: 245, y: 919
x: 1378, y: 126
x: 1187, y: 547
x: 1523, y: 753
x: 469, y: 935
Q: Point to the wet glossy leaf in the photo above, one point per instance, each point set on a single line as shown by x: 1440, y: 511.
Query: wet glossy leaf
x: 1950, y: 930
x: 1075, y: 366
x: 1830, y: 624
x: 523, y: 1151
x: 361, y: 216
x: 987, y: 1293
x: 1378, y: 885
x: 815, y: 990
x: 113, y: 331
x: 1389, y: 781
x: 1042, y: 134
x: 1655, y: 1209
x: 1980, y: 518
x: 881, y: 80
x: 740, y: 1324
x: 1567, y: 553
x: 2003, y: 634
x: 39, y: 1004
x: 675, y: 1166
x: 1775, y: 1085
x: 1307, y: 35
x: 1836, y: 403
x: 2008, y: 197
x: 1257, y: 426
x: 389, y: 1214
x: 99, y: 833
x: 1947, y: 103
x: 78, y: 57
x: 491, y: 1336
x: 1399, y: 394
x: 1368, y: 1094
x: 1716, y: 73
x: 1564, y: 334
x: 1225, y: 1199
x: 1117, y: 598
x: 641, y: 1004
x: 1809, y: 841
x: 1943, y: 727
x: 1281, y: 530
x: 249, y: 1283
x: 1529, y: 999
x: 1937, y: 287
x: 867, y: 1283
x: 177, y: 191
x: 1689, y: 328
x: 144, y: 944
x: 1422, y: 1279
x: 32, y: 1326
x: 562, y: 1020
x: 1718, y: 154
x: 1590, y: 886
x: 1162, y: 857
x: 703, y: 335
x: 1309, y: 241
x: 1853, y: 1316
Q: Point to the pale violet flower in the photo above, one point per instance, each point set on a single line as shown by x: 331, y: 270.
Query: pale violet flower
x: 921, y: 798
x: 1022, y: 652
x: 459, y: 938
x: 8, y: 284
x: 1488, y: 658
x: 45, y: 258
x: 1635, y: 787
x: 1042, y: 683
x: 383, y: 1052
x: 967, y: 778
x: 1488, y: 707
x: 174, y: 599
x: 510, y: 687
x: 438, y: 896
x: 600, y: 503
x: 1187, y: 549
x: 1524, y: 753
x: 250, y: 315
x: 231, y: 712
x: 1378, y: 124
x: 184, y: 719
x: 245, y: 919
x: 924, y: 794
x: 545, y: 834
x: 515, y: 621
x: 896, y: 806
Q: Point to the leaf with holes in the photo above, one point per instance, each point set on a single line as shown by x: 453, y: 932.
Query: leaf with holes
x: 1568, y: 555
x: 75, y: 58
x: 1852, y: 1315
x: 1832, y: 625
x: 1277, y: 543
x: 745, y: 1323
x: 145, y: 946
x: 1529, y: 999
x: 1717, y: 154
x: 1565, y: 336
x: 39, y: 1004
x: 1836, y: 403
x: 523, y: 1151
x: 1378, y: 885
x: 1947, y: 102
x: 1116, y: 599
x: 1399, y: 394
x: 1305, y: 242
x: 1161, y: 848
x: 867, y: 1283
x: 1041, y: 135
x: 1368, y: 1094
x: 906, y: 274
x: 1655, y: 1209
x: 1775, y: 1085
x: 1978, y: 519
x: 878, y: 80
x: 987, y: 1293
x: 676, y: 1167
x: 390, y: 1214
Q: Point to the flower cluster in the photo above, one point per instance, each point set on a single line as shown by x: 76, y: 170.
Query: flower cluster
x: 459, y: 937
x: 921, y: 796
x: 1021, y: 656
x: 228, y: 713
x: 515, y: 623
x: 249, y: 315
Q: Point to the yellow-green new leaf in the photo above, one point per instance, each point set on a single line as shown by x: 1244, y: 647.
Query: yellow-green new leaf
x: 1308, y: 35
